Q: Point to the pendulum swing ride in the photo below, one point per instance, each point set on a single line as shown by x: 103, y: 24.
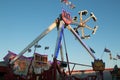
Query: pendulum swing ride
x: 55, y: 71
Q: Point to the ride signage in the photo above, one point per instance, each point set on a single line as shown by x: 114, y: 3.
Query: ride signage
x: 98, y: 65
x: 66, y: 17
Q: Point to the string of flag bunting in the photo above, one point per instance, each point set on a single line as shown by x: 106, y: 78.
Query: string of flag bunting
x: 110, y: 54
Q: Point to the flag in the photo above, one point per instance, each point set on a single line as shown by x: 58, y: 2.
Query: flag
x: 118, y: 56
x: 37, y: 46
x: 107, y: 50
x: 29, y: 50
x: 92, y: 50
x: 114, y: 58
x: 72, y: 6
x: 47, y: 47
x: 68, y: 3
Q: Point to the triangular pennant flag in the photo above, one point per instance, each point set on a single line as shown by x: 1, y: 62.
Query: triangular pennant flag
x: 107, y: 50
x: 118, y: 56
x: 92, y: 50
x: 47, y: 47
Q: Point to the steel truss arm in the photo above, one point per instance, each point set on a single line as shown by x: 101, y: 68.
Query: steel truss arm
x: 59, y: 38
x: 50, y: 28
x: 79, y: 39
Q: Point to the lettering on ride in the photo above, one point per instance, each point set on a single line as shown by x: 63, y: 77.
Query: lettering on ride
x: 66, y: 17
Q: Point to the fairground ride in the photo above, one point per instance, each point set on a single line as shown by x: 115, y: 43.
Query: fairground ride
x: 64, y: 21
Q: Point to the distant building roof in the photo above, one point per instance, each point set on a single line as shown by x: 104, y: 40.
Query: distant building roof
x: 2, y: 63
x: 41, y: 54
x: 3, y: 67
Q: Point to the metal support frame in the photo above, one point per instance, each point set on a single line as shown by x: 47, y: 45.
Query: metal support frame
x: 50, y: 28
x: 59, y: 39
x: 60, y: 25
x: 82, y: 43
